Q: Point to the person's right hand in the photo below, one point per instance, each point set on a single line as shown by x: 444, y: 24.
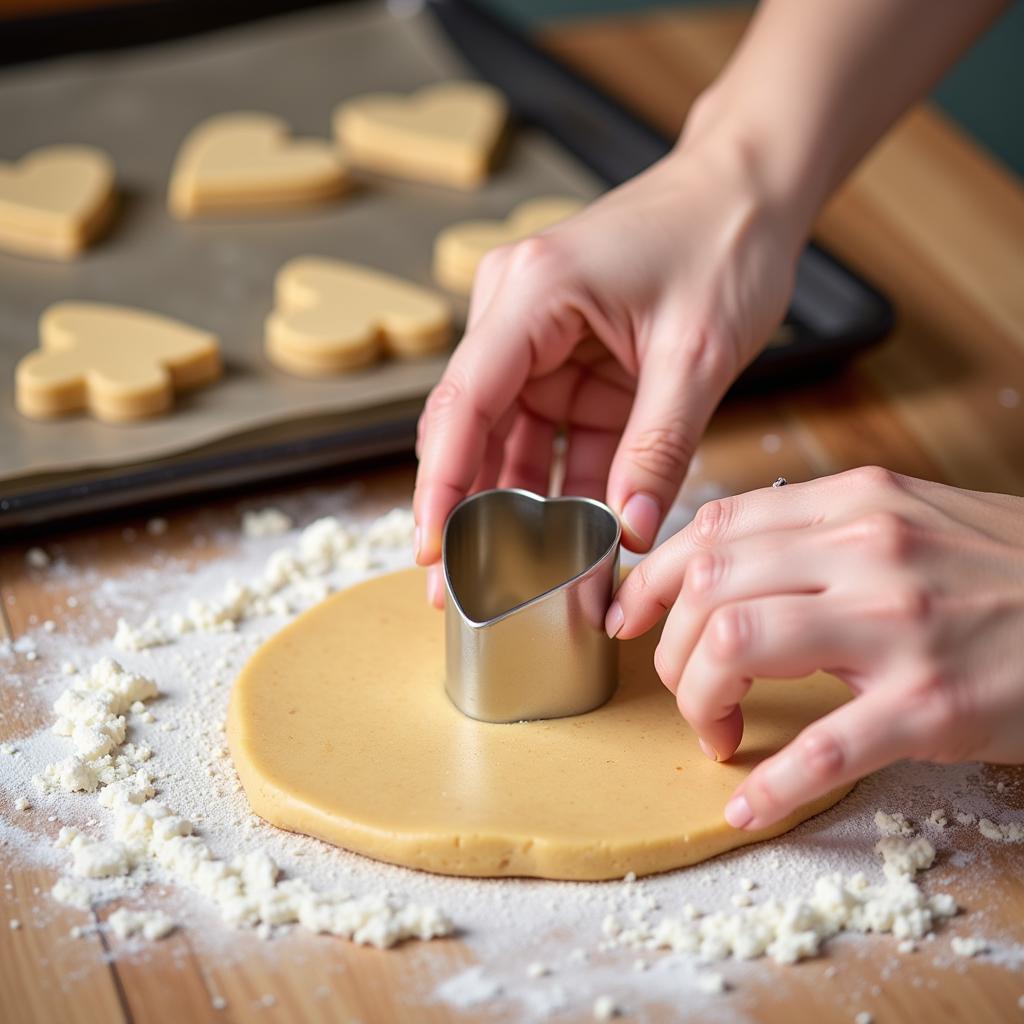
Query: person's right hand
x: 623, y: 326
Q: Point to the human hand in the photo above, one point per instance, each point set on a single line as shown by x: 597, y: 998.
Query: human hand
x: 911, y: 592
x: 622, y: 326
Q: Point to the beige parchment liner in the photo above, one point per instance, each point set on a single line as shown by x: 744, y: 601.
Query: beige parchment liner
x: 218, y: 274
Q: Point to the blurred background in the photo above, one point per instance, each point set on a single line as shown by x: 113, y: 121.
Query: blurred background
x: 983, y: 92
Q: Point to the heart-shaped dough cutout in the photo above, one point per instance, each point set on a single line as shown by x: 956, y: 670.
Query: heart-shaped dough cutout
x: 55, y: 200
x: 459, y: 249
x: 245, y: 161
x: 333, y: 316
x: 446, y: 134
x: 116, y: 362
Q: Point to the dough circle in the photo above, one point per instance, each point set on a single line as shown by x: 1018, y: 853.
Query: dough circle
x: 340, y: 728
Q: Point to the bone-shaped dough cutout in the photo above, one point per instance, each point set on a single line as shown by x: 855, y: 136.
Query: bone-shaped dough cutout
x: 116, y: 362
x: 332, y: 316
x: 55, y: 200
x: 250, y: 161
x: 458, y: 249
x: 446, y: 134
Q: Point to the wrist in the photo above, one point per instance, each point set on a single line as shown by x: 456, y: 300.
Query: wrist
x: 775, y: 168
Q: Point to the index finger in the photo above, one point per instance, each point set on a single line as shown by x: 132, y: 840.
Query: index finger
x: 653, y: 586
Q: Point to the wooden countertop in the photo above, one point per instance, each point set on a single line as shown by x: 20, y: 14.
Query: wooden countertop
x: 934, y: 221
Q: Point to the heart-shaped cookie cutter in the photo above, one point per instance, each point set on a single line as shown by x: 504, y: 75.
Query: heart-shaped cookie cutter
x: 528, y: 581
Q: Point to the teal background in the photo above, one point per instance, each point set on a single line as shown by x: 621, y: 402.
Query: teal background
x: 984, y: 92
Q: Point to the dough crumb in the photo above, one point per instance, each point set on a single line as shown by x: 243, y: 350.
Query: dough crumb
x: 37, y: 558
x: 537, y: 970
x: 864, y: 1018
x: 938, y: 818
x: 22, y: 804
x: 1008, y: 832
x: 605, y: 1008
x: 894, y: 824
x: 969, y: 946
x: 150, y: 924
x: 266, y: 522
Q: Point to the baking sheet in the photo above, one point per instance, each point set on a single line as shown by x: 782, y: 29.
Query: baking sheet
x: 218, y: 274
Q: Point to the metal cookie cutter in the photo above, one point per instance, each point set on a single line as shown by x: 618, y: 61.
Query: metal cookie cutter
x: 528, y: 581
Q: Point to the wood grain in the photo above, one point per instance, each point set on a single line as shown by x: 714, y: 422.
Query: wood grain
x: 938, y: 225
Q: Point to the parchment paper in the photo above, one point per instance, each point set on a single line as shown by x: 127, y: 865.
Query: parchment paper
x: 138, y: 106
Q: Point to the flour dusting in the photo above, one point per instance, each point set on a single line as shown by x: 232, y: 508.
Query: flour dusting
x: 188, y: 624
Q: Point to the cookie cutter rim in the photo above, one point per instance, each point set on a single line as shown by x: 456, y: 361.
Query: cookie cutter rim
x: 587, y: 655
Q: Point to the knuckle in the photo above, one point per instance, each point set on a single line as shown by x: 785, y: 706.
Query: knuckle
x: 712, y: 521
x: 909, y: 603
x: 537, y: 256
x: 663, y: 452
x: 885, y: 534
x: 875, y: 478
x: 703, y: 573
x: 822, y: 756
x: 729, y: 632
x: 446, y: 394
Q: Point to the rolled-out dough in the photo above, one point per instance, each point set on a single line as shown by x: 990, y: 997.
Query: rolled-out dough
x: 340, y: 728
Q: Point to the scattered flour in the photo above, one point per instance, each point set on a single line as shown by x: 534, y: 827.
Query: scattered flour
x: 150, y: 924
x: 1006, y: 832
x: 267, y: 522
x: 195, y: 852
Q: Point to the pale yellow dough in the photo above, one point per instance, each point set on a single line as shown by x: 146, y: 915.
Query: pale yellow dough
x: 340, y: 728
x: 458, y: 249
x: 331, y: 317
x: 116, y: 362
x: 249, y: 161
x: 446, y: 134
x: 55, y: 200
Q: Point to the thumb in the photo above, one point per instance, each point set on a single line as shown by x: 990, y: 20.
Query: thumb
x: 676, y: 393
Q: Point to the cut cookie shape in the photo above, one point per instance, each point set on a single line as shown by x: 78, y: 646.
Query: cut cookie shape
x: 459, y: 249
x: 116, y: 362
x: 55, y: 200
x: 245, y: 161
x: 333, y: 316
x: 446, y: 134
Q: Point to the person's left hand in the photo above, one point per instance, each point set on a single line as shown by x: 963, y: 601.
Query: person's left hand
x: 911, y: 592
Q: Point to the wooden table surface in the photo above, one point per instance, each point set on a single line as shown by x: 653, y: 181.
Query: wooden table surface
x: 940, y: 227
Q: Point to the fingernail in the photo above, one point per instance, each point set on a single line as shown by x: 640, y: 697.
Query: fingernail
x: 614, y: 620
x: 709, y: 751
x: 642, y: 516
x: 738, y: 812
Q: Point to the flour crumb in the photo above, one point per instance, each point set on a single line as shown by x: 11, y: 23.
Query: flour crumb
x: 15, y: 924
x: 894, y: 824
x: 469, y: 988
x: 157, y: 526
x: 1008, y: 832
x: 864, y: 1018
x: 150, y: 924
x: 712, y: 983
x: 219, y: 1003
x: 969, y: 946
x: 138, y: 638
x: 22, y: 804
x: 537, y: 970
x: 965, y: 818
x: 266, y: 522
x: 605, y: 1008
x: 37, y: 558
x: 938, y: 818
